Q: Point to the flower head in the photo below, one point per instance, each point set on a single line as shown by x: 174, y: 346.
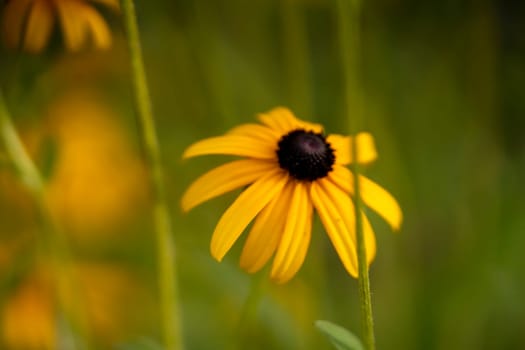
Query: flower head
x: 290, y: 168
x: 29, y: 23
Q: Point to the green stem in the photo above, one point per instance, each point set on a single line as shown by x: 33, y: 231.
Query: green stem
x: 367, y: 318
x: 349, y: 34
x: 52, y: 240
x: 165, y: 244
x: 16, y: 152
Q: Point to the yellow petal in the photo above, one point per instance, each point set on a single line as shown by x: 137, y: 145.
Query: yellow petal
x: 223, y: 179
x: 317, y: 128
x: 298, y: 258
x: 266, y: 232
x: 235, y: 145
x: 342, y: 146
x: 256, y: 131
x: 346, y: 209
x: 342, y: 237
x: 73, y: 27
x: 382, y: 202
x: 373, y: 195
x: 294, y: 243
x: 13, y: 19
x: 39, y: 25
x: 98, y: 28
x: 282, y: 120
x: 243, y: 210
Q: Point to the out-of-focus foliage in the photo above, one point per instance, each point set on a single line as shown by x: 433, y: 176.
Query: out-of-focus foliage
x: 443, y: 84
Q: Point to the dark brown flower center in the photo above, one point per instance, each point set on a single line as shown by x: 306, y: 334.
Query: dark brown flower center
x: 305, y: 155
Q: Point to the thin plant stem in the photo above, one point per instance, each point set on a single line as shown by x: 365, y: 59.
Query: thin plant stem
x: 52, y: 240
x: 18, y: 156
x: 168, y: 287
x: 349, y: 12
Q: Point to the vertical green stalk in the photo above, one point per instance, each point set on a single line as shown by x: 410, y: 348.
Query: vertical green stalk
x: 52, y: 241
x: 165, y: 244
x: 349, y: 12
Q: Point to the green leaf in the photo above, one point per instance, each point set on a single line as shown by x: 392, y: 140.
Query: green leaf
x: 340, y: 337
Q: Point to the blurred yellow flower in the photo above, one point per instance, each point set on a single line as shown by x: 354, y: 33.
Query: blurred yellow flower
x: 28, y: 24
x: 102, y: 297
x: 290, y: 169
x: 98, y: 180
x: 106, y: 293
x: 28, y: 317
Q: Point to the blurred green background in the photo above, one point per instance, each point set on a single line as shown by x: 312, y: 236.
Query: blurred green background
x: 444, y: 89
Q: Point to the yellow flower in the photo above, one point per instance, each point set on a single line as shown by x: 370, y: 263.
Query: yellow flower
x: 101, y: 297
x: 98, y: 183
x: 290, y: 169
x: 28, y: 317
x: 29, y: 23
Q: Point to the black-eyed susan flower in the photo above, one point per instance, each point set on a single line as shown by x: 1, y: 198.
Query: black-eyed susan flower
x: 290, y: 169
x: 29, y: 23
